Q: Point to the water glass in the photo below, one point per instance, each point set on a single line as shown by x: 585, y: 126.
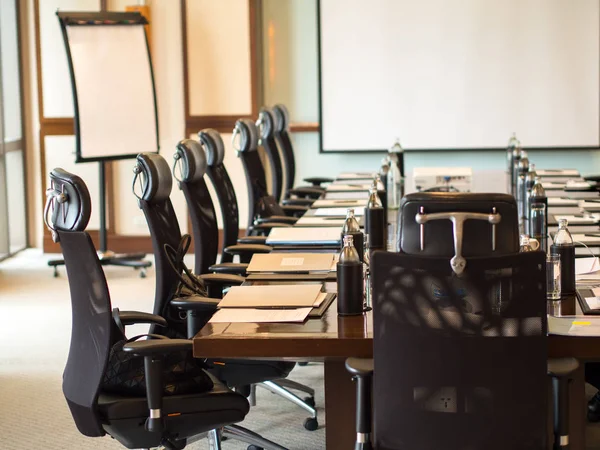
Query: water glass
x: 553, y: 290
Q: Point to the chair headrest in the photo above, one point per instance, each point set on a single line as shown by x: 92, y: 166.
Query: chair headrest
x: 191, y: 159
x: 282, y: 117
x: 155, y: 175
x: 213, y: 146
x: 68, y: 204
x: 267, y: 123
x: 248, y: 133
x: 490, y: 224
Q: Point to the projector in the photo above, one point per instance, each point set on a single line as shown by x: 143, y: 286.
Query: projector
x: 442, y: 178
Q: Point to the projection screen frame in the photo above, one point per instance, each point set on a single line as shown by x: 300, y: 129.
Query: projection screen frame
x: 104, y: 19
x: 424, y: 150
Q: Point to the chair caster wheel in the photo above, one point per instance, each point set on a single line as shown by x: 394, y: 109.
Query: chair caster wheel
x: 143, y: 273
x: 310, y: 401
x: 311, y: 424
x: 254, y: 447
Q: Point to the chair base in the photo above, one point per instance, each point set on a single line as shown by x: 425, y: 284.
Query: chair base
x: 108, y: 258
x: 310, y: 423
x: 250, y: 437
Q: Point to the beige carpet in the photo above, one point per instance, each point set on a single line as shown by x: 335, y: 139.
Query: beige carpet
x: 35, y: 315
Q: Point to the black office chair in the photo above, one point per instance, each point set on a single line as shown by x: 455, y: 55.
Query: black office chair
x: 263, y: 209
x: 217, y: 173
x: 282, y: 118
x: 156, y: 180
x: 189, y: 168
x: 268, y: 127
x: 460, y: 292
x: 136, y: 421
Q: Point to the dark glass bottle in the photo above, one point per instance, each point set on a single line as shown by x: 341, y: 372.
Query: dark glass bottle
x: 538, y: 214
x: 375, y: 222
x: 564, y: 247
x: 350, y: 283
x: 351, y: 227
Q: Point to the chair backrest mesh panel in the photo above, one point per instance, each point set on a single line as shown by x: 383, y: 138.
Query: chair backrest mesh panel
x: 460, y: 362
x: 91, y: 330
x: 229, y: 207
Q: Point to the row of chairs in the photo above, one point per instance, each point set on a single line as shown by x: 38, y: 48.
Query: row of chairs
x: 158, y: 418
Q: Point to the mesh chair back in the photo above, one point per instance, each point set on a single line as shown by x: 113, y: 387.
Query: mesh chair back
x: 458, y: 225
x: 217, y: 173
x: 282, y: 136
x: 67, y: 213
x: 156, y: 181
x: 192, y: 163
x: 460, y: 362
x: 253, y: 168
x: 267, y: 126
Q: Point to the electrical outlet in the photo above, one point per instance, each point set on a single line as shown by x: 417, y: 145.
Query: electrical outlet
x: 441, y: 399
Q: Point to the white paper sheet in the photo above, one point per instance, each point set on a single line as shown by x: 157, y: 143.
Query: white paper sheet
x: 593, y: 302
x: 586, y: 265
x: 251, y: 315
x: 321, y: 221
x: 339, y: 212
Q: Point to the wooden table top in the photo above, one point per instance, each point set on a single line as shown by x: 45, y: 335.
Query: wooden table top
x: 330, y: 337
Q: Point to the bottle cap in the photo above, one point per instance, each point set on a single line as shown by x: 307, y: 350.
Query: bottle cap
x: 562, y: 223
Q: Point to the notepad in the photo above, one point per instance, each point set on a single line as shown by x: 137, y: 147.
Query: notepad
x: 591, y: 206
x: 347, y: 196
x: 342, y: 203
x: 290, y: 262
x: 273, y: 296
x: 574, y: 325
x: 313, y: 221
x: 559, y: 201
x: 339, y: 212
x: 309, y: 236
x: 356, y: 175
x: 251, y: 315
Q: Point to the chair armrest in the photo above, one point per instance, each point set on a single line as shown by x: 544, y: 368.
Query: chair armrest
x: 245, y: 251
x: 153, y: 351
x: 153, y: 347
x: 252, y: 240
x: 280, y: 219
x: 216, y: 282
x: 298, y: 201
x: 362, y: 370
x: 562, y: 367
x: 361, y: 367
x: 294, y: 210
x: 230, y: 268
x: 196, y: 303
x: 316, y: 181
x: 264, y: 228
x: 306, y: 191
x: 132, y: 317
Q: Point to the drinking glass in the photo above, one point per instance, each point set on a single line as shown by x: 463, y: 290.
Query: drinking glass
x: 553, y: 291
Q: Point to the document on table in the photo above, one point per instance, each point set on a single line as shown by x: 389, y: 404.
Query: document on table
x: 347, y: 195
x: 345, y: 203
x: 559, y: 201
x: 290, y: 262
x: 339, y: 212
x: 251, y: 315
x: 309, y: 236
x: 557, y: 173
x: 586, y: 265
x: 586, y: 239
x: 577, y: 220
x: 320, y: 221
x: 273, y: 296
x: 356, y: 176
x: 574, y: 325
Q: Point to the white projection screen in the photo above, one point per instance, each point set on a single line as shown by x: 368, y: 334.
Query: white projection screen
x: 115, y: 104
x: 459, y: 74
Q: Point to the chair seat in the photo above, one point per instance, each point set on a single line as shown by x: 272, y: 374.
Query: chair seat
x: 252, y: 240
x: 230, y: 268
x: 218, y: 399
x: 239, y: 372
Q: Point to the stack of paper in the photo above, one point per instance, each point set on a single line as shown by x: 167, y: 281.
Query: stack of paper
x: 313, y: 221
x: 347, y: 203
x: 290, y: 262
x: 587, y: 269
x: 347, y: 195
x: 339, y: 212
x: 356, y: 176
x: 574, y: 325
x: 301, y: 236
x: 272, y: 303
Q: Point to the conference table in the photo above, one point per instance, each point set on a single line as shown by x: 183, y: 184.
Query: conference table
x: 331, y: 339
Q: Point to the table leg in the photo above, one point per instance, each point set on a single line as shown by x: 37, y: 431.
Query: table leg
x: 340, y: 404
